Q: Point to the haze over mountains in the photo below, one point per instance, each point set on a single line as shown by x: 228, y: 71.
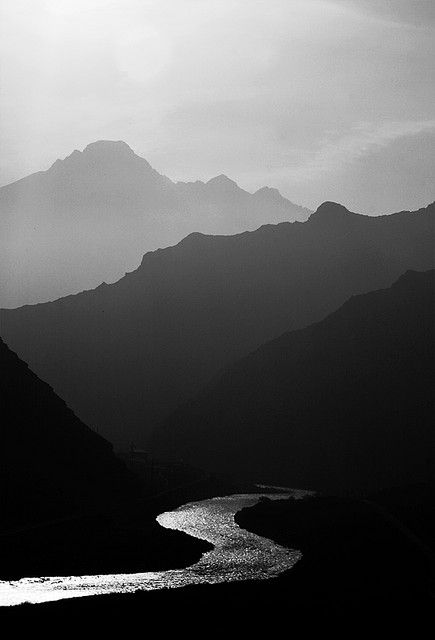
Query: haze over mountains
x: 344, y: 403
x: 125, y: 355
x: 90, y: 218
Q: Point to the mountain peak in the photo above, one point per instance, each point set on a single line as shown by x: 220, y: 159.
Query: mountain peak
x: 332, y: 207
x: 331, y: 211
x: 106, y: 147
x: 412, y: 278
x: 222, y: 180
x: 103, y: 152
x: 269, y: 192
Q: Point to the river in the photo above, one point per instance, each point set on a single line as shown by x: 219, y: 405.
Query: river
x: 237, y: 555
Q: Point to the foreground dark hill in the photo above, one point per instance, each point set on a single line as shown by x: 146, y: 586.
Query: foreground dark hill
x: 124, y: 355
x: 51, y: 464
x: 346, y: 403
x: 68, y: 505
x: 90, y: 217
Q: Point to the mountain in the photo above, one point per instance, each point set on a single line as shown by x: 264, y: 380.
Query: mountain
x: 91, y: 216
x: 50, y: 462
x: 346, y: 403
x: 125, y: 355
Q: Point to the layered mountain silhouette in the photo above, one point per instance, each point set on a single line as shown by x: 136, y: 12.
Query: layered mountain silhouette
x: 51, y: 464
x: 125, y: 355
x: 91, y: 217
x: 346, y: 403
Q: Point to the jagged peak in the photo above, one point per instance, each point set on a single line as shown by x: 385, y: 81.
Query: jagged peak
x: 101, y: 151
x: 59, y: 163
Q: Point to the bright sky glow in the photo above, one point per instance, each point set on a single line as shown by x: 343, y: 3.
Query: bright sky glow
x: 300, y: 95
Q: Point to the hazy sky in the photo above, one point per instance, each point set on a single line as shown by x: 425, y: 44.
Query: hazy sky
x: 323, y: 99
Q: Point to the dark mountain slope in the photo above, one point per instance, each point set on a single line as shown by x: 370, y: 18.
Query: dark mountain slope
x: 91, y: 217
x: 344, y: 403
x: 68, y: 505
x: 125, y: 355
x: 50, y: 462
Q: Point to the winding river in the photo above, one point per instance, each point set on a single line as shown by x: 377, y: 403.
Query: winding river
x: 237, y: 555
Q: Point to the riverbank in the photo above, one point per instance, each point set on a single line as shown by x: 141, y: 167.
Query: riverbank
x: 266, y: 608
x: 122, y: 539
x: 356, y: 566
x: 379, y: 549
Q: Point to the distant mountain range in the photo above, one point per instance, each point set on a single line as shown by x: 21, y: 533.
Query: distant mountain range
x: 51, y: 464
x: 344, y: 403
x: 90, y: 218
x: 125, y: 355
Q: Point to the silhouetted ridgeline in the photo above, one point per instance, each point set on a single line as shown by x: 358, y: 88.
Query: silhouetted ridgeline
x: 125, y: 355
x: 51, y: 464
x: 91, y: 216
x: 346, y: 403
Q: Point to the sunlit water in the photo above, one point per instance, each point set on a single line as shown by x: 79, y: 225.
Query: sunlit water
x: 237, y: 555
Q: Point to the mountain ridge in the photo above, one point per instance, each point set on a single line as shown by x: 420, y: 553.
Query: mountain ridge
x: 91, y: 216
x: 343, y: 404
x: 324, y: 208
x: 126, y: 354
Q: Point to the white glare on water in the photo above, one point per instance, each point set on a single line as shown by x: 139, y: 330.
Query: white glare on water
x: 237, y: 555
